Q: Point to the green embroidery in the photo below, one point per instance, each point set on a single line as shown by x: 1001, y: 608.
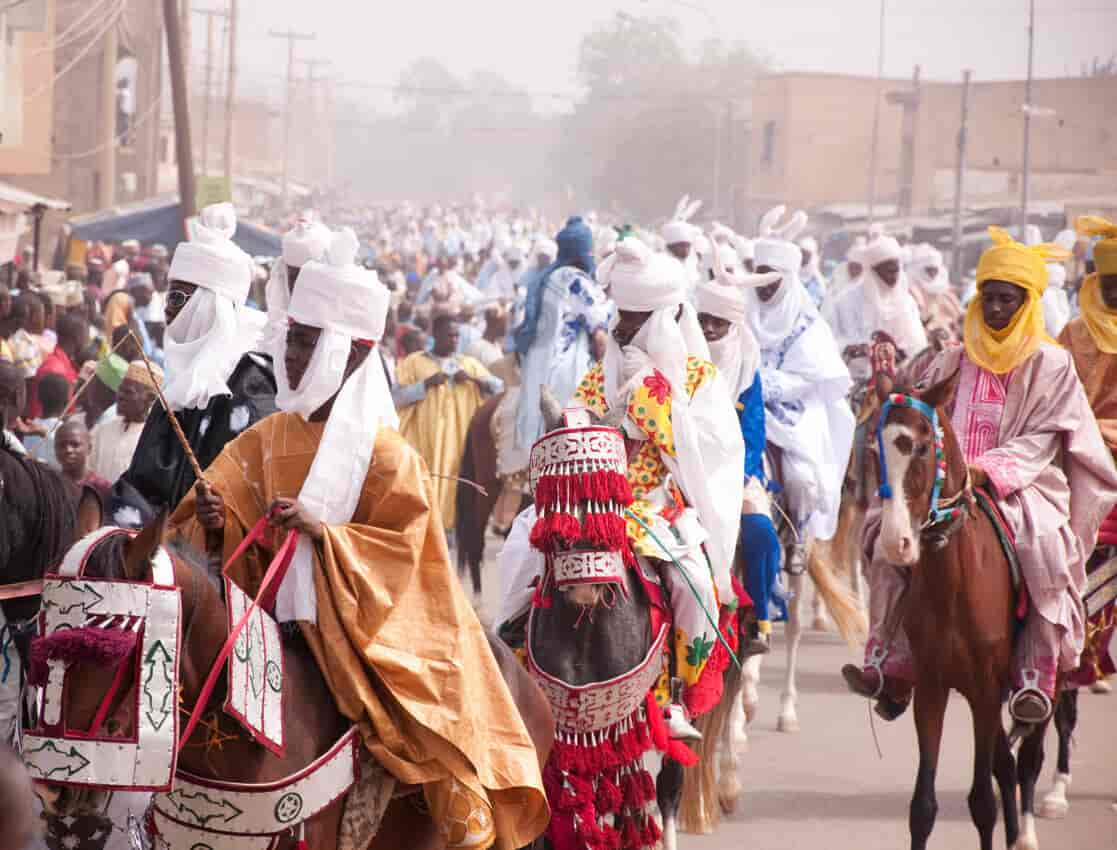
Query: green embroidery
x: 698, y: 651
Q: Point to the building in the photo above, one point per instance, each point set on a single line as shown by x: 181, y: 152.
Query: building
x: 811, y: 141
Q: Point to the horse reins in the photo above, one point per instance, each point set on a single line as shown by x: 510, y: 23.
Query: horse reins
x: 943, y: 515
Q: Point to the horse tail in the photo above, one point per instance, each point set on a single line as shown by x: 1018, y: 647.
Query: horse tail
x: 700, y: 807
x: 844, y: 541
x: 843, y: 607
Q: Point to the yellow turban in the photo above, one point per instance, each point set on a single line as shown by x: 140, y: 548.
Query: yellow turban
x: 1101, y: 321
x: 1026, y: 266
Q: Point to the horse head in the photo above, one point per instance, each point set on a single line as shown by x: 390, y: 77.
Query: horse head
x: 919, y: 464
x: 102, y: 665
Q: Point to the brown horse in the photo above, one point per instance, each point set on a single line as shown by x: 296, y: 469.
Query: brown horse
x: 218, y: 747
x: 959, y: 616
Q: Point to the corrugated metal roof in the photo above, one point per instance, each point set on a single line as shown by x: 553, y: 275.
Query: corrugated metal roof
x: 16, y: 200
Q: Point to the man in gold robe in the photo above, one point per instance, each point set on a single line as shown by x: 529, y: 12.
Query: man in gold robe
x: 370, y: 584
x: 437, y: 392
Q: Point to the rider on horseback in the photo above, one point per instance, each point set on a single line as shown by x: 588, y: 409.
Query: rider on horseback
x: 370, y: 584
x: 722, y: 313
x: 686, y: 452
x: 1030, y: 439
x: 805, y: 385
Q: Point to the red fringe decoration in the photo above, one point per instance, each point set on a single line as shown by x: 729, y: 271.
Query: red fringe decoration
x: 553, y: 491
x: 553, y: 531
x: 606, y: 531
x: 704, y: 694
x: 657, y: 726
x: 102, y: 647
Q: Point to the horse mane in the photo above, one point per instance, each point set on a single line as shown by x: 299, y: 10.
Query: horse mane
x: 54, y: 513
x: 107, y: 559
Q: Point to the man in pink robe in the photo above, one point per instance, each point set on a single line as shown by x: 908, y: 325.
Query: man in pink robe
x: 1029, y: 433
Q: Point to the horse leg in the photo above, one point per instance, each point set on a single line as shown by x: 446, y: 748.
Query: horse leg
x: 668, y: 793
x: 788, y: 720
x: 750, y: 696
x: 821, y: 620
x: 1055, y: 804
x: 732, y: 733
x: 1004, y: 768
x: 930, y: 707
x: 983, y: 802
x: 1029, y: 766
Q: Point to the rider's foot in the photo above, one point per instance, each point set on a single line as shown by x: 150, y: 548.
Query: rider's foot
x: 678, y: 727
x: 892, y: 695
x: 759, y: 642
x: 1030, y: 705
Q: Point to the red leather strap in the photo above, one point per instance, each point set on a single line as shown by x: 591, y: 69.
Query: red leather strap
x: 21, y: 589
x: 276, y: 570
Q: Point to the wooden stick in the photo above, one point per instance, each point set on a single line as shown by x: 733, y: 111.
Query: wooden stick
x: 176, y: 427
x: 73, y: 401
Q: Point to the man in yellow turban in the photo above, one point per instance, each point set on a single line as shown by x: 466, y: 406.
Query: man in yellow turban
x: 1030, y: 439
x: 1092, y: 342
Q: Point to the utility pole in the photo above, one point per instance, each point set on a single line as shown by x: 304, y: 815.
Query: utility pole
x: 313, y: 113
x: 909, y: 102
x: 330, y: 117
x: 210, y: 15
x: 291, y: 37
x: 177, y: 60
x: 1025, y: 166
x: 875, y: 146
x: 230, y: 93
x: 106, y: 185
x: 960, y: 180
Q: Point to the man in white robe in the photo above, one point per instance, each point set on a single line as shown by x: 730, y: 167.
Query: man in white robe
x: 805, y: 384
x: 305, y: 242
x: 880, y: 301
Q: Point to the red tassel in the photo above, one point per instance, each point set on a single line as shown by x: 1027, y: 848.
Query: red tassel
x: 652, y: 833
x: 301, y: 844
x: 631, y: 792
x: 629, y: 836
x: 611, y: 839
x: 648, y: 785
x: 608, y: 796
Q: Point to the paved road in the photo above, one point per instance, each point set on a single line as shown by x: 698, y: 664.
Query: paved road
x: 826, y: 789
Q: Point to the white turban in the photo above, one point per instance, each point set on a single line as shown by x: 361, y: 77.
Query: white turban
x: 306, y: 241
x: 924, y: 257
x: 891, y: 307
x: 348, y: 303
x: 214, y: 330
x: 880, y: 250
x: 772, y: 321
x: 547, y: 247
x: 675, y: 232
x: 639, y: 279
x: 737, y: 354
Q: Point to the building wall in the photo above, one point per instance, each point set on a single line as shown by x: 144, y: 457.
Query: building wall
x: 78, y: 114
x: 823, y: 130
x: 26, y: 68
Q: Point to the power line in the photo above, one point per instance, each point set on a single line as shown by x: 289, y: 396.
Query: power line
x: 139, y: 122
x: 93, y: 42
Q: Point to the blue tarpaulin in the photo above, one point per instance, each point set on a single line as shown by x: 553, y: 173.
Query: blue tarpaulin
x: 160, y: 220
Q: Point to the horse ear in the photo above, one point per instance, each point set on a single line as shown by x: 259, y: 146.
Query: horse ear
x: 90, y: 512
x: 942, y: 392
x: 883, y: 384
x: 139, y: 550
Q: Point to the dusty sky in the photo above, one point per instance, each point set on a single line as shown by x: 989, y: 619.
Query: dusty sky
x: 534, y: 45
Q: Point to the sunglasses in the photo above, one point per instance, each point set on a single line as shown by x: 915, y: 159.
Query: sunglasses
x: 177, y: 299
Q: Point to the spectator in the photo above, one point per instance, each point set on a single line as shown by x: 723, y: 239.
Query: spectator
x: 13, y: 394
x: 99, y: 400
x: 72, y: 447
x: 73, y: 336
x: 26, y: 323
x: 54, y: 395
x: 114, y: 439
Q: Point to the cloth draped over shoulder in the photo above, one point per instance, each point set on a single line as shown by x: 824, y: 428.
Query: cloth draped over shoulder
x: 1097, y: 370
x: 396, y: 640
x: 1054, y: 480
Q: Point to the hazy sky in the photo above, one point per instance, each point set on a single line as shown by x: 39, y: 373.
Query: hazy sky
x: 534, y: 45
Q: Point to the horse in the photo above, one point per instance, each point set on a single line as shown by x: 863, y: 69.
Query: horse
x: 1101, y: 574
x: 959, y: 614
x: 597, y: 633
x: 474, y: 506
x: 219, y: 749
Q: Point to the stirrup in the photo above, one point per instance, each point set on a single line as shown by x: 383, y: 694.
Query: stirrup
x: 797, y: 559
x: 1030, y: 705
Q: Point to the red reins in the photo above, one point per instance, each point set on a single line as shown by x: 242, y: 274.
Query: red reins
x: 276, y: 570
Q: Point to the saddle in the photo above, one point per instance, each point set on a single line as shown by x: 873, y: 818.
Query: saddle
x: 1005, y: 537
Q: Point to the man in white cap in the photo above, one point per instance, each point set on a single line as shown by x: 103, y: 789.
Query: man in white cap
x: 370, y: 584
x: 305, y: 242
x: 939, y: 306
x: 681, y: 237
x: 657, y: 380
x: 214, y: 384
x: 880, y: 301
x: 805, y: 384
x: 723, y: 315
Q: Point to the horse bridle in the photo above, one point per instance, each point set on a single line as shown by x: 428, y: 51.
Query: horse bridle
x: 944, y: 516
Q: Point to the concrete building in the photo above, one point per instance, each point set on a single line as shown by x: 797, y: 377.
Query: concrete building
x: 811, y: 141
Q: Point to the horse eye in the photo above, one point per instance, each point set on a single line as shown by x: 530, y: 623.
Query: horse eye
x: 921, y: 450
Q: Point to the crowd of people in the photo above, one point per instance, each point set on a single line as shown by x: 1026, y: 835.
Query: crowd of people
x: 334, y: 392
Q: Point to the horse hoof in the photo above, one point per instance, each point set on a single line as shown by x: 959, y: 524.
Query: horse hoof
x: 728, y: 805
x: 1101, y: 686
x: 1053, y: 808
x: 1025, y: 842
x: 820, y: 624
x: 788, y: 723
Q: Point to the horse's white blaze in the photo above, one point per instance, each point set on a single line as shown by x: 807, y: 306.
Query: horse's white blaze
x: 897, y: 535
